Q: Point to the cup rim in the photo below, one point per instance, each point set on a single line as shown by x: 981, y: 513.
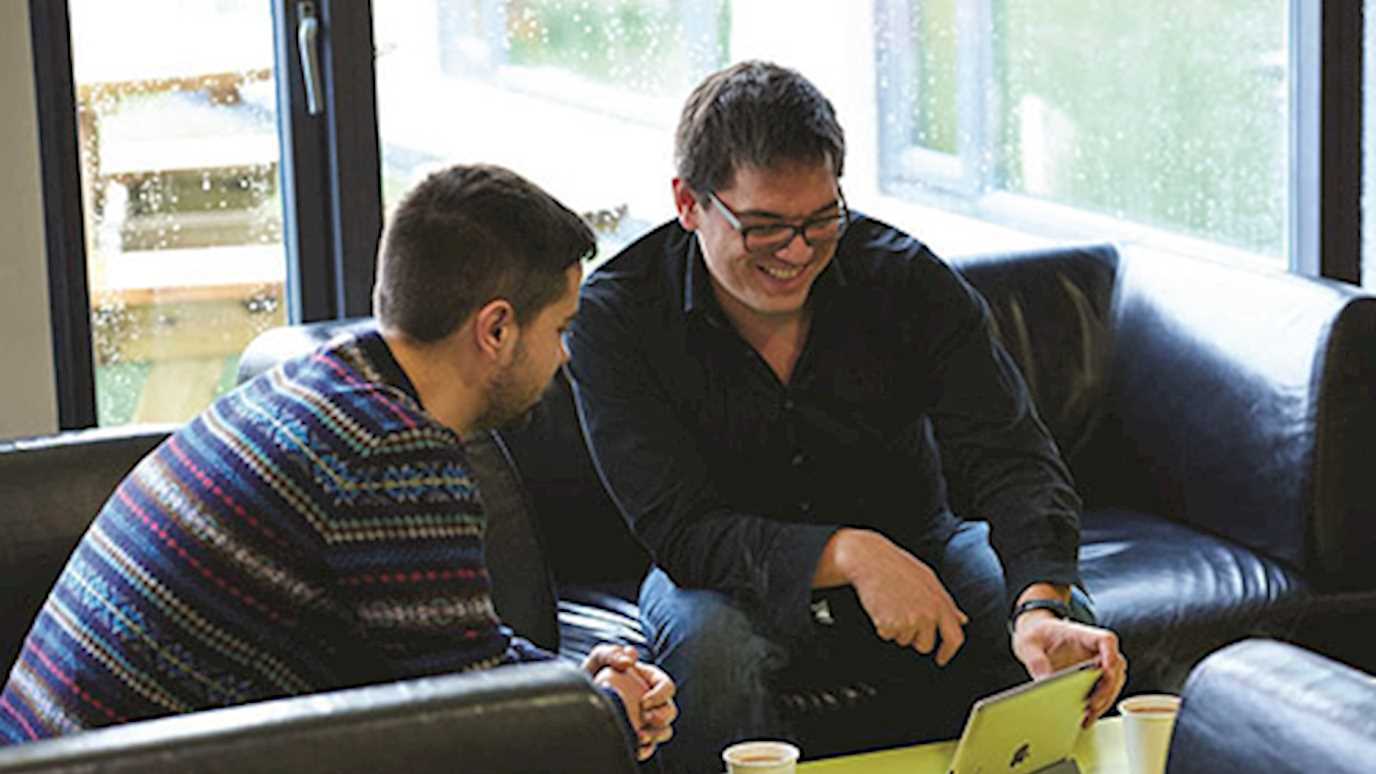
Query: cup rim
x: 790, y: 751
x: 1136, y: 705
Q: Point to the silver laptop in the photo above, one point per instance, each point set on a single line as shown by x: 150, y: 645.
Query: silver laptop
x: 1028, y: 729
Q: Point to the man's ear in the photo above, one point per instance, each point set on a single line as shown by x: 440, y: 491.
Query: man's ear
x: 495, y: 329
x: 686, y: 203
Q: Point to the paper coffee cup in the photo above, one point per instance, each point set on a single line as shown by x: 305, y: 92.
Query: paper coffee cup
x: 1147, y: 723
x: 761, y: 757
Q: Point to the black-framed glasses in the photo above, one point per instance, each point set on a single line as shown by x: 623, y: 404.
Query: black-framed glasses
x: 772, y: 237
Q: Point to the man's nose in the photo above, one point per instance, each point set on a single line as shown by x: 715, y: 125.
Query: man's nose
x: 795, y: 250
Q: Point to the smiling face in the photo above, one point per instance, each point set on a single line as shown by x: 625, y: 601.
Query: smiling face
x: 763, y: 287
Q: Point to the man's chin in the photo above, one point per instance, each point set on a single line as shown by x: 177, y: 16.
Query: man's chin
x: 520, y: 421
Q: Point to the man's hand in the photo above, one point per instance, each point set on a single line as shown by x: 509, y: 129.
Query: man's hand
x: 646, y: 692
x: 902, y: 595
x: 1044, y: 644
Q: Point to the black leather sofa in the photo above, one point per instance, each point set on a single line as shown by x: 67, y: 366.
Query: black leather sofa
x: 1262, y: 705
x: 1216, y: 421
x: 524, y: 718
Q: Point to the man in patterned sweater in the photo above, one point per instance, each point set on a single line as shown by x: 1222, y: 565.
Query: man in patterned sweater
x: 319, y: 527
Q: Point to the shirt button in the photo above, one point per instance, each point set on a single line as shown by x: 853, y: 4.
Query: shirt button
x: 805, y: 506
x: 799, y: 459
x: 788, y: 404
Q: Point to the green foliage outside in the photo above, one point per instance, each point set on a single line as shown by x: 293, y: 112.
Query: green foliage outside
x: 1179, y: 110
x: 645, y: 47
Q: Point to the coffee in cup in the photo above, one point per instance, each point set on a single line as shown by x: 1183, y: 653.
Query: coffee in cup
x: 761, y: 757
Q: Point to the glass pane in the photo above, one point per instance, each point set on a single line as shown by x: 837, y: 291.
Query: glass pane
x: 933, y: 75
x: 1171, y: 114
x: 179, y: 160
x: 580, y: 96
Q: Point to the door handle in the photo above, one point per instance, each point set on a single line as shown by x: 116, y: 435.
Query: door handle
x: 307, y: 44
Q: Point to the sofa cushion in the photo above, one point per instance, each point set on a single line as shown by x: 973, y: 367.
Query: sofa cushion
x: 594, y: 614
x: 1173, y: 593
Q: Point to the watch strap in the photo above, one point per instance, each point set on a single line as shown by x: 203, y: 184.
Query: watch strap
x: 1056, y: 606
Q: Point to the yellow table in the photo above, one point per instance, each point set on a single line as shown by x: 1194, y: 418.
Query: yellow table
x: 1099, y: 751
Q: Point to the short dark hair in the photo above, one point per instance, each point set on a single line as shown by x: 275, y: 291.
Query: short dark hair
x: 754, y: 114
x: 469, y: 234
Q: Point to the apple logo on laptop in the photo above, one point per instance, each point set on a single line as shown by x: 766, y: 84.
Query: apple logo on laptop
x: 1020, y: 755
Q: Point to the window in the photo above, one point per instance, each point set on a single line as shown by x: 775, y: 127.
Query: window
x: 179, y: 185
x: 1153, y: 120
x: 581, y: 97
x: 217, y: 204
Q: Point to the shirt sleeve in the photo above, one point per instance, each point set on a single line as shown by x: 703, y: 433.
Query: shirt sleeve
x: 999, y: 459
x: 656, y: 473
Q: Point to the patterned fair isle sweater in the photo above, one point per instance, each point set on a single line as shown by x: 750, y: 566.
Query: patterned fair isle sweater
x: 314, y: 529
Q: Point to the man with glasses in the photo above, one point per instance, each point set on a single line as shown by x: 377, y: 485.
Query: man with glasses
x: 778, y: 393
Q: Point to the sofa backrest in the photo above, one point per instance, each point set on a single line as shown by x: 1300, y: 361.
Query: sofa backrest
x: 1242, y: 402
x: 50, y: 489
x: 522, y: 718
x: 1052, y: 310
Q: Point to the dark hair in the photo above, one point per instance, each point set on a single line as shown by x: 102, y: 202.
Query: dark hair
x: 467, y: 235
x: 754, y: 114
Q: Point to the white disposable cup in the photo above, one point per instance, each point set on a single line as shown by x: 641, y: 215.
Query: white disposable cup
x: 762, y: 757
x: 1147, y: 723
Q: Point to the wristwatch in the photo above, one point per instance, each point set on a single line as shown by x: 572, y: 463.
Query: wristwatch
x: 1056, y: 606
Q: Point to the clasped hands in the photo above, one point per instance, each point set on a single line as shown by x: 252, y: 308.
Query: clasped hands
x: 910, y: 607
x: 646, y: 692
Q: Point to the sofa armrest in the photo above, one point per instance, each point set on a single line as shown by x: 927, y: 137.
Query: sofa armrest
x: 1261, y: 705
x: 522, y: 718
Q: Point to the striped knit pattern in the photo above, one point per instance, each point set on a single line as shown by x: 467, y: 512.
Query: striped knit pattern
x: 314, y: 529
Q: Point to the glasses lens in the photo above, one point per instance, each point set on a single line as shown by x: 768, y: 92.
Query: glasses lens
x: 823, y: 229
x: 767, y: 238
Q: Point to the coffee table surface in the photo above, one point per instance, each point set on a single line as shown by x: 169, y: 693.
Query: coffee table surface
x: 1099, y: 751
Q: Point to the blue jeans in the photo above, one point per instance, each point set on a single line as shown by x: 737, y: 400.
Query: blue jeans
x: 725, y: 665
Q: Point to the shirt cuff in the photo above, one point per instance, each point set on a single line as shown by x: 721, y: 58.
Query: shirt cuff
x: 788, y: 602
x: 1039, y: 567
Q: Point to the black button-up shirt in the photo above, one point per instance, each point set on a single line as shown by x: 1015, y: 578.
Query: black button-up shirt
x: 735, y: 481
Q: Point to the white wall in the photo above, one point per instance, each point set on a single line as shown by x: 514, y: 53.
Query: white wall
x: 28, y: 399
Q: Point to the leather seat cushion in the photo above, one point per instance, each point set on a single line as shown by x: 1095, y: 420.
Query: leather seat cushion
x: 593, y: 614
x: 1174, y: 594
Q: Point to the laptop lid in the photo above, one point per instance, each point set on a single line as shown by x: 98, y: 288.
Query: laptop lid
x: 1029, y: 728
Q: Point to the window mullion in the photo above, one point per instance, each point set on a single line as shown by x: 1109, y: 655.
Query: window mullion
x: 65, y: 236
x: 353, y: 172
x: 977, y: 102
x: 306, y: 212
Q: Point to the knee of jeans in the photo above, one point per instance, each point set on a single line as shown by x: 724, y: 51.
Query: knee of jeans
x: 712, y: 636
